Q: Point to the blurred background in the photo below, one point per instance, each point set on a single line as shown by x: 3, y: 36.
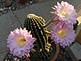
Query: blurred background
x: 13, y: 13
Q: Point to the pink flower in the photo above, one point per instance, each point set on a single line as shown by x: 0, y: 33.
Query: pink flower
x: 66, y: 12
x: 63, y: 33
x: 20, y: 42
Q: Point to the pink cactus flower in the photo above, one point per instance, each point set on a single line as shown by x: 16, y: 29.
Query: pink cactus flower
x: 20, y: 42
x: 63, y: 34
x: 65, y: 11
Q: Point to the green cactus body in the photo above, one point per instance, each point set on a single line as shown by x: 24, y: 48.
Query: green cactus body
x: 43, y: 51
x: 35, y: 24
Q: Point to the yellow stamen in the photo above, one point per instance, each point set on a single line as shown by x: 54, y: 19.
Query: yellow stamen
x: 61, y: 33
x: 21, y: 41
x: 63, y: 13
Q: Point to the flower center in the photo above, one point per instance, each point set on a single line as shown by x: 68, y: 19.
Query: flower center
x: 21, y: 41
x: 63, y: 14
x: 61, y: 33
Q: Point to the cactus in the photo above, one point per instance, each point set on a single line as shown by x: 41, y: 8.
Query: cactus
x: 36, y: 24
x: 42, y: 51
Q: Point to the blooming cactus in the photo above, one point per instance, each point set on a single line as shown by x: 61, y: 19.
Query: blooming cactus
x: 36, y: 24
x: 63, y: 34
x: 66, y: 12
x: 20, y: 42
